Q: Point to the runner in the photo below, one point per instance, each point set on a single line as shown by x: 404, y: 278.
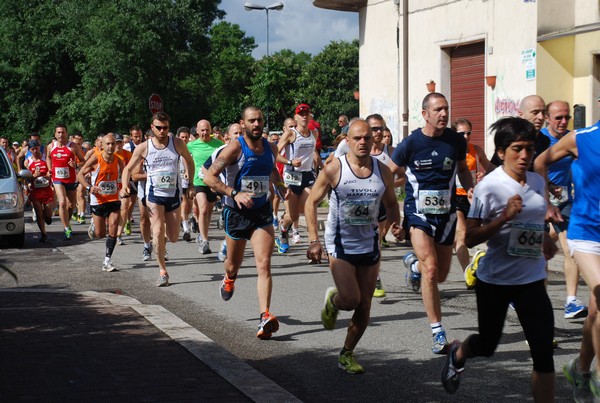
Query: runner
x: 41, y: 193
x: 161, y: 154
x: 508, y: 211
x: 359, y: 183
x: 61, y: 160
x: 104, y: 195
x: 186, y: 204
x: 248, y: 164
x: 127, y: 202
x: 432, y: 157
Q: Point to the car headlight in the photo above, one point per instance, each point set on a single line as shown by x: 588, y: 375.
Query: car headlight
x: 8, y: 200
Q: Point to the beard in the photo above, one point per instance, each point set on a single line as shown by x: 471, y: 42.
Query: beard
x: 253, y: 136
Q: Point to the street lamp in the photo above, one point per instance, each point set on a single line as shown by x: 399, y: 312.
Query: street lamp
x: 277, y: 7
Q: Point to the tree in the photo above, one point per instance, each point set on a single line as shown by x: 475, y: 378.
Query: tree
x: 230, y: 63
x: 275, y: 84
x: 328, y: 82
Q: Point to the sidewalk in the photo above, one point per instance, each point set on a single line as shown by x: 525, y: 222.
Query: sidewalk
x: 65, y: 346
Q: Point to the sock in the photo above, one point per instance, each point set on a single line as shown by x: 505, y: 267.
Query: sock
x: 110, y: 246
x: 295, y: 231
x: 81, y: 214
x: 66, y: 228
x: 415, y: 267
x: 185, y: 225
x: 570, y: 298
x: 106, y: 259
x: 436, y: 327
x: 148, y: 245
x: 344, y: 351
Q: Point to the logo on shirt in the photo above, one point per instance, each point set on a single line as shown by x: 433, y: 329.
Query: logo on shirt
x: 448, y: 163
x: 349, y: 181
x: 423, y: 164
x: 434, y: 153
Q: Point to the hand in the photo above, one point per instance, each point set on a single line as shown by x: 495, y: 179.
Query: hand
x: 555, y: 191
x: 296, y: 162
x: 398, y: 232
x: 553, y: 214
x: 191, y: 193
x: 243, y: 199
x: 478, y: 177
x: 123, y: 194
x: 549, y: 247
x: 315, y: 252
x: 513, y: 207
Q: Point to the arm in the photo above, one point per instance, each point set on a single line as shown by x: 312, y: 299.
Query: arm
x: 137, y: 173
x: 324, y: 182
x: 48, y: 157
x: 78, y: 151
x: 188, y: 162
x: 391, y: 203
x: 21, y: 158
x: 276, y: 179
x: 285, y: 139
x: 212, y: 179
x: 136, y: 158
x: 465, y: 175
x: 86, y: 169
x: 484, y: 161
x: 477, y: 232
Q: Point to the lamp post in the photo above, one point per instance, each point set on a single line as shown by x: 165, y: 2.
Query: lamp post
x: 277, y: 7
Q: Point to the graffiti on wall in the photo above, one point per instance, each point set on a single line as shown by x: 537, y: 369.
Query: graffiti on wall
x: 389, y: 111
x: 506, y: 106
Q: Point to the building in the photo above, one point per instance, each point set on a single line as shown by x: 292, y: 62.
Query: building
x: 484, y: 55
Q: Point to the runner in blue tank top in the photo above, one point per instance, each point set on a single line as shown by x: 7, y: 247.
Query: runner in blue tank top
x: 583, y: 237
x: 432, y: 157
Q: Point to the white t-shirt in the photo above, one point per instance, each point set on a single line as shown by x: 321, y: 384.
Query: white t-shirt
x: 515, y: 254
x: 342, y: 149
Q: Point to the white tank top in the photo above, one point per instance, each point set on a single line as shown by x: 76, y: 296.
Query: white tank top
x: 303, y: 148
x: 384, y: 156
x: 162, y: 168
x: 352, y: 226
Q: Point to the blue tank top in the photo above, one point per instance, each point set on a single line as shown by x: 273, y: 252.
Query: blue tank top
x: 584, y: 222
x: 431, y: 166
x: 251, y: 174
x: 559, y: 173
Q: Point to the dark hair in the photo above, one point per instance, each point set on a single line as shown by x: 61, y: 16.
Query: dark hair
x: 183, y: 129
x: 461, y: 121
x: 34, y: 134
x: 387, y: 129
x: 78, y: 134
x: 425, y: 103
x: 161, y: 117
x: 135, y: 128
x: 374, y: 116
x: 250, y: 108
x: 511, y: 129
x: 60, y: 125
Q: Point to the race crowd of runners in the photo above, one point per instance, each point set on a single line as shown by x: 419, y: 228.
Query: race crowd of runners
x: 539, y: 189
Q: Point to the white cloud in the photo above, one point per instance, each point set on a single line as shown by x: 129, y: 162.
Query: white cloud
x: 300, y: 26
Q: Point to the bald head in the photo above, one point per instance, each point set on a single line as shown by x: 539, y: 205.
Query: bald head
x: 204, y: 130
x: 109, y: 143
x: 360, y: 138
x: 533, y: 109
x: 558, y: 118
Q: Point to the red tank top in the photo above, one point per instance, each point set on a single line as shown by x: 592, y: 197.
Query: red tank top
x: 41, y: 186
x: 61, y: 170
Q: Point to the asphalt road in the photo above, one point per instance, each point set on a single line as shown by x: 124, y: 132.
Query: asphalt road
x: 302, y: 356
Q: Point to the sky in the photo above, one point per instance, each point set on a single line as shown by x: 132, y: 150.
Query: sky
x: 300, y: 26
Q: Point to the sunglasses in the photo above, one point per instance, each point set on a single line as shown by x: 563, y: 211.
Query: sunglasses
x: 377, y: 128
x: 160, y: 128
x: 463, y: 133
x: 559, y: 118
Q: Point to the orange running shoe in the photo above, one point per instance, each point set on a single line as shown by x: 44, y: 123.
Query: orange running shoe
x: 267, y: 326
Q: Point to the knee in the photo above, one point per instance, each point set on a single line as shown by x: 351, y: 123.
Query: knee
x: 347, y: 303
x: 429, y: 272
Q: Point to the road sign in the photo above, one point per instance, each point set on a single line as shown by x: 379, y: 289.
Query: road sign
x: 155, y: 103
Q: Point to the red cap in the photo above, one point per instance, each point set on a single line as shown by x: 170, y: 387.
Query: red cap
x: 302, y: 107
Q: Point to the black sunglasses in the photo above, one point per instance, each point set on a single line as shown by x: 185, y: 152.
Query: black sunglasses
x: 159, y: 128
x: 463, y: 133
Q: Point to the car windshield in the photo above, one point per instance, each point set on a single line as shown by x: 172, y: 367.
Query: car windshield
x: 4, y: 167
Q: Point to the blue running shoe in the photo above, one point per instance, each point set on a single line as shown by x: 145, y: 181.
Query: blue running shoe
x: 575, y: 309
x: 282, y: 245
x: 440, y: 343
x: 412, y: 279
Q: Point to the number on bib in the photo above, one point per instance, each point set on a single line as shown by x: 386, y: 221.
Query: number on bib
x: 360, y: 212
x: 41, y: 182
x: 293, y: 178
x: 434, y: 201
x: 526, y: 240
x: 165, y: 180
x: 108, y: 187
x: 257, y: 186
x: 62, y: 173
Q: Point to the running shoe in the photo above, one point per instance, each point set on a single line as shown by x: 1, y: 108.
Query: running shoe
x: 223, y: 251
x: 379, y: 291
x: 147, y: 254
x: 68, y: 233
x: 440, y: 343
x: 92, y: 231
x: 580, y: 380
x: 295, y: 237
x: 227, y: 288
x: 48, y: 220
x: 203, y: 246
x: 575, y: 309
x: 194, y: 225
x: 385, y: 243
x: 329, y: 312
x: 109, y: 266
x: 187, y: 236
x: 471, y: 269
x: 348, y: 363
x: 43, y: 237
x: 595, y: 385
x: 450, y: 372
x: 127, y: 228
x: 412, y: 279
x: 80, y: 220
x: 74, y: 216
x: 282, y: 244
x: 267, y: 326
x: 120, y: 241
x: 163, y: 280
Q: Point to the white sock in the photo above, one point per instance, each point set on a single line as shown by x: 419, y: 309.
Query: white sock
x: 147, y: 245
x: 185, y: 225
x: 436, y: 327
x: 570, y: 298
x: 415, y: 267
x: 106, y: 260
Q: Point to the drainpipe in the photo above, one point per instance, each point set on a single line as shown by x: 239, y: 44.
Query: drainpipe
x: 405, y: 69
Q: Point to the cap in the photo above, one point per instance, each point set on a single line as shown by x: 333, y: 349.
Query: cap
x: 302, y: 107
x: 15, y: 143
x: 33, y: 143
x: 118, y: 137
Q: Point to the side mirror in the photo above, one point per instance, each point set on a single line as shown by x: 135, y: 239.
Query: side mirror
x: 25, y: 174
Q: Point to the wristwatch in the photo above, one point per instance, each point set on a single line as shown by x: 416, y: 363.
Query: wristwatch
x: 233, y: 194
x: 88, y: 188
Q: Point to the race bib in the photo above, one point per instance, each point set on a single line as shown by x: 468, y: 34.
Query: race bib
x: 360, y: 212
x: 165, y: 180
x: 108, y: 187
x: 434, y: 201
x: 41, y: 182
x: 62, y: 173
x: 563, y: 197
x: 526, y: 240
x: 293, y: 178
x: 257, y: 186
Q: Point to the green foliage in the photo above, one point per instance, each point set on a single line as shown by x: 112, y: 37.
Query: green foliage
x: 329, y: 81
